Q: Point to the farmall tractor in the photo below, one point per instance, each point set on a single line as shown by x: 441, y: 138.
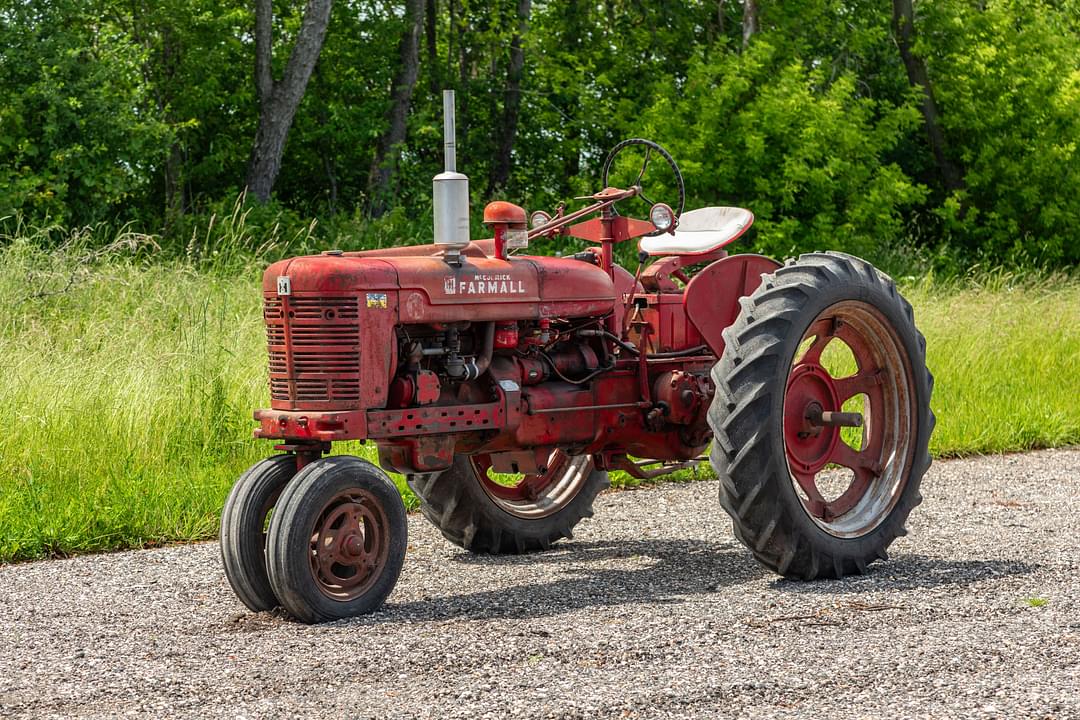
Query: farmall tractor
x: 505, y: 387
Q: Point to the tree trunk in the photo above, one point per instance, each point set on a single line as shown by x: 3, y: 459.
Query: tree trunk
x: 749, y: 21
x: 431, y: 26
x: 331, y: 177
x: 278, y: 99
x: 919, y: 77
x: 386, y: 154
x: 174, y: 184
x: 450, y: 36
x: 500, y: 169
x: 574, y: 19
x: 159, y: 71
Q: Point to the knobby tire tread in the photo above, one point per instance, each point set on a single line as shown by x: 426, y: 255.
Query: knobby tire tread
x: 747, y: 452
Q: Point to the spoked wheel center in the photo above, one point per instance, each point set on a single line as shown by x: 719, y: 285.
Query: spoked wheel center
x: 810, y: 392
x: 814, y: 419
x: 534, y: 495
x: 349, y: 545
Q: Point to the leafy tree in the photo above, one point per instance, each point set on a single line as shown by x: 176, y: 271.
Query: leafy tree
x: 856, y: 124
x: 279, y: 99
x: 78, y: 141
x: 807, y: 156
x: 1009, y: 83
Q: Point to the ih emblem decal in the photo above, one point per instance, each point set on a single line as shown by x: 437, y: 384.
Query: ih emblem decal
x: 284, y: 285
x: 483, y: 284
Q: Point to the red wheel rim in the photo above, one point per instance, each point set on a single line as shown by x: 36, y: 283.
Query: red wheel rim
x: 814, y: 415
x: 533, y: 496
x: 349, y: 545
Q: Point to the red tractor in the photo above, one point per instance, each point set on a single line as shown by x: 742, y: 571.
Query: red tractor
x: 505, y: 386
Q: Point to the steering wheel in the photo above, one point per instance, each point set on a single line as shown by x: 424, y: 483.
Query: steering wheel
x: 650, y: 147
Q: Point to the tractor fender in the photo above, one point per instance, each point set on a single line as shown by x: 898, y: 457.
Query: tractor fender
x: 711, y: 299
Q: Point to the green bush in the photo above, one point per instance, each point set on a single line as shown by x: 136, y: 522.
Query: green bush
x: 808, y: 157
x: 1008, y: 78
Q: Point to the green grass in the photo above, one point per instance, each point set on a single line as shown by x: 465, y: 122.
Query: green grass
x: 1006, y: 358
x: 127, y: 394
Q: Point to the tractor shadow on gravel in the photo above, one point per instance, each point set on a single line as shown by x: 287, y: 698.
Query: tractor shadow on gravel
x: 911, y: 572
x: 595, y: 574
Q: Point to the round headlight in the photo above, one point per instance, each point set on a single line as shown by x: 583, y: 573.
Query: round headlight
x: 662, y: 216
x: 539, y: 219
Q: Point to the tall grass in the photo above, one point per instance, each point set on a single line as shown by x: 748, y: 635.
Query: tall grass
x: 127, y: 385
x: 128, y: 388
x: 1005, y: 353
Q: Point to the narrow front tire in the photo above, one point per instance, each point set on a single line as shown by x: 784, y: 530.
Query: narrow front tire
x: 337, y: 540
x: 243, y: 529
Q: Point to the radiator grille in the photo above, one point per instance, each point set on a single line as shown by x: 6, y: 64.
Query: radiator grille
x: 314, y: 348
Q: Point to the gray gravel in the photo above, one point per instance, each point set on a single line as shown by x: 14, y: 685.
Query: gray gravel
x: 654, y: 610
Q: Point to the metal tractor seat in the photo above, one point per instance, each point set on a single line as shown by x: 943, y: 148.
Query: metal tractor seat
x: 701, y: 231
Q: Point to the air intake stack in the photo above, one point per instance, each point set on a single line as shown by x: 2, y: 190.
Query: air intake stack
x: 450, y: 190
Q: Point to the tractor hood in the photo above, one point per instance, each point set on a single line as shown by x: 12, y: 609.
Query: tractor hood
x: 429, y: 290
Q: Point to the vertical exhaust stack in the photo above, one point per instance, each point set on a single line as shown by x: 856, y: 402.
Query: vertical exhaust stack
x: 450, y: 192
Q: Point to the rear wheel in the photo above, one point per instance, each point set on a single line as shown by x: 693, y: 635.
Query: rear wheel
x: 337, y: 540
x: 822, y: 417
x: 243, y: 529
x: 483, y: 511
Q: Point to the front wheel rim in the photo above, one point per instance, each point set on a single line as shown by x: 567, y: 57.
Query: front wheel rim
x: 815, y: 450
x: 534, y: 496
x: 349, y: 545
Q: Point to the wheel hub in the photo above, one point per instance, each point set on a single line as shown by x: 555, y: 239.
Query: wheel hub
x: 810, y: 392
x: 353, y: 546
x: 349, y: 545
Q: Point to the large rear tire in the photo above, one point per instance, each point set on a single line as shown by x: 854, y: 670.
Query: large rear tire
x: 479, y: 514
x: 243, y: 529
x: 803, y: 499
x: 337, y: 540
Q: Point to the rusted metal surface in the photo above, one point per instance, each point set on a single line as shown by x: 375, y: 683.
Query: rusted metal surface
x: 501, y: 211
x: 658, y: 276
x: 814, y: 417
x: 526, y: 383
x: 311, y: 425
x: 418, y: 454
x: 529, y: 476
x: 621, y: 229
x: 712, y: 297
x: 538, y: 492
x: 433, y: 420
x: 650, y: 469
x: 662, y: 325
x: 314, y: 349
x: 350, y: 545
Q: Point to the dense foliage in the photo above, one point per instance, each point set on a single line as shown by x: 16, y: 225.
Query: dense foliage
x: 146, y: 113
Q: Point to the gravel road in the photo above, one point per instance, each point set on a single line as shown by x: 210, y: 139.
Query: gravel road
x: 653, y: 611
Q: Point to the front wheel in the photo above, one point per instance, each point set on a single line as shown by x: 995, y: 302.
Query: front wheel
x: 243, y: 529
x: 822, y: 417
x: 337, y: 540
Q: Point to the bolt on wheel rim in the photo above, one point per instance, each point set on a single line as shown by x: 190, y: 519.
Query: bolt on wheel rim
x: 349, y: 545
x: 532, y: 496
x: 814, y: 418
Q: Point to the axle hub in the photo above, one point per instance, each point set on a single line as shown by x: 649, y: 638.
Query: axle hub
x: 818, y: 417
